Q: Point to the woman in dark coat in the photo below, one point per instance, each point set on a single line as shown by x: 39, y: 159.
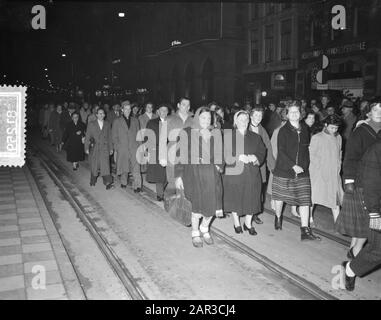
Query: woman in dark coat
x: 199, y: 175
x: 291, y: 181
x: 98, y: 145
x: 242, y: 190
x: 155, y: 172
x: 73, y: 140
x: 353, y: 220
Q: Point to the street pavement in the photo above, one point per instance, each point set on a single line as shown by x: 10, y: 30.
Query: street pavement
x: 30, y: 248
x: 149, y: 239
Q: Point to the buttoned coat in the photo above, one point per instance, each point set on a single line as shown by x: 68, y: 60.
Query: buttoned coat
x: 155, y: 172
x: 99, y: 155
x: 325, y: 166
x: 125, y: 144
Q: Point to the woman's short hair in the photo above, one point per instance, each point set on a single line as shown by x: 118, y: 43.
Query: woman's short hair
x: 369, y: 107
x: 257, y: 108
x: 204, y: 109
x: 333, y: 119
x: 75, y: 113
x: 293, y: 104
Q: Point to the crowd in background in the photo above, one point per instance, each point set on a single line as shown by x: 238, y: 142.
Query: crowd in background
x: 303, y: 153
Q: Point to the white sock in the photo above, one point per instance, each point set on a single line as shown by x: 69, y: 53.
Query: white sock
x: 349, y: 271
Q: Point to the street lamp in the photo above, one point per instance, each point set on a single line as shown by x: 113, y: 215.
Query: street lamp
x: 46, y: 69
x: 121, y: 14
x: 64, y: 55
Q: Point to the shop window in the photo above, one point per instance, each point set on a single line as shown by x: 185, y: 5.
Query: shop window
x: 269, y: 43
x: 286, y: 28
x: 254, y: 43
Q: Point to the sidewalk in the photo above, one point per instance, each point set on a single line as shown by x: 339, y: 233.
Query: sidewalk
x: 30, y: 247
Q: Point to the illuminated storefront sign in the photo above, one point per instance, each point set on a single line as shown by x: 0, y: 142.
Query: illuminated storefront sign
x: 358, y: 46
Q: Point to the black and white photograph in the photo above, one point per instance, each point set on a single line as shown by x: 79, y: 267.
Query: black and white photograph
x: 190, y: 154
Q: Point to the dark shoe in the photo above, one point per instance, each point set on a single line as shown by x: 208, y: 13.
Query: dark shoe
x: 75, y: 168
x: 109, y: 186
x: 159, y: 198
x: 278, y: 223
x: 350, y: 254
x: 257, y: 220
x: 137, y: 190
x: 349, y: 281
x: 123, y: 186
x: 306, y: 234
x: 92, y: 184
x: 251, y: 230
x: 238, y: 229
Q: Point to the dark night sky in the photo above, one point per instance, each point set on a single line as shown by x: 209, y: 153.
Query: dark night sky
x: 90, y: 33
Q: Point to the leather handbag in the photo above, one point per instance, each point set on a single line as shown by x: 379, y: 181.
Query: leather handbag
x: 180, y: 208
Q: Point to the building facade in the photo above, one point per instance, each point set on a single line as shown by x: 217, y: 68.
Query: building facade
x: 272, y: 45
x: 195, y: 50
x: 352, y: 53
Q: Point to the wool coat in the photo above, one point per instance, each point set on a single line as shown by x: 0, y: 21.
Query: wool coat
x: 155, y: 172
x: 99, y: 156
x: 202, y: 181
x: 270, y: 161
x: 360, y: 140
x: 72, y: 140
x: 125, y: 143
x: 242, y: 192
x: 55, y: 126
x: 292, y: 150
x: 325, y: 166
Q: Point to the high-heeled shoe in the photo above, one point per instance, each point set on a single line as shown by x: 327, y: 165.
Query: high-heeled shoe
x: 350, y: 254
x: 238, y: 229
x: 251, y: 230
x: 278, y: 223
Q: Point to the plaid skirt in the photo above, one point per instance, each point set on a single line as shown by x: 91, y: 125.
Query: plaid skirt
x: 353, y: 219
x: 295, y: 191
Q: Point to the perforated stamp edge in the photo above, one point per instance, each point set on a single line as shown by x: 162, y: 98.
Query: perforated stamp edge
x: 19, y: 160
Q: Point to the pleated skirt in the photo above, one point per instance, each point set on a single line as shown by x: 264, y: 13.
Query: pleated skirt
x: 353, y: 219
x: 295, y: 191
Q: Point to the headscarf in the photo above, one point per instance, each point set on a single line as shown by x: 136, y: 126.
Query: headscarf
x: 238, y: 114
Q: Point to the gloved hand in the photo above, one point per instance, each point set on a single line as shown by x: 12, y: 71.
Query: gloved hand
x: 349, y: 187
x: 375, y: 221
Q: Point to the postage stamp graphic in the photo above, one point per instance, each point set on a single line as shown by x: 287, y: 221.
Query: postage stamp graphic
x: 12, y: 125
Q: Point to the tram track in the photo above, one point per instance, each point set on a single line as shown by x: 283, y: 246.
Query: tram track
x: 118, y: 267
x: 127, y: 279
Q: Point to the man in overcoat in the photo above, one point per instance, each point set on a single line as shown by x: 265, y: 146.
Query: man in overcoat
x: 124, y: 138
x: 98, y: 145
x: 155, y: 172
x: 176, y: 122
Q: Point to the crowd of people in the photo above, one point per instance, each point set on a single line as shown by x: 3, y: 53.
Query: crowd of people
x: 295, y: 152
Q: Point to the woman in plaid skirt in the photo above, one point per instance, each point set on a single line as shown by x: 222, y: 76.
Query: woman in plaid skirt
x: 291, y: 181
x: 353, y: 219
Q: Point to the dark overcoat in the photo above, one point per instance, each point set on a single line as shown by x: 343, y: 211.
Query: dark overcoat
x: 242, y: 192
x: 72, y: 140
x: 155, y: 172
x: 125, y: 144
x: 55, y: 126
x: 99, y: 156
